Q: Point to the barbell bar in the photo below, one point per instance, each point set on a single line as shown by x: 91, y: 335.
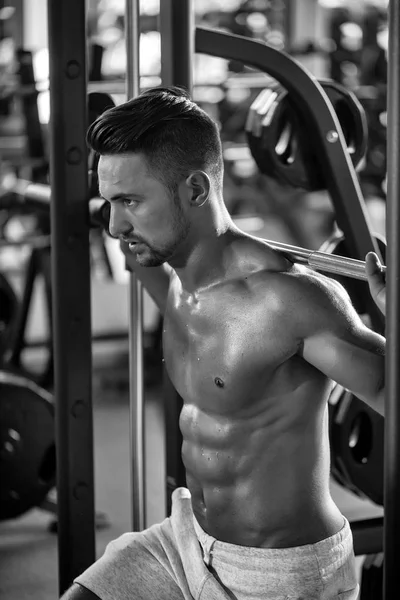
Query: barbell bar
x: 40, y: 195
x: 323, y: 261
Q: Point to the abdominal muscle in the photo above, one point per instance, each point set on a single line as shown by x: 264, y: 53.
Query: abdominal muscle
x: 259, y: 483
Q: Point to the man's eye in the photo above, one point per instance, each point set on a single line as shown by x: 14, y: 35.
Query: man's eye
x: 130, y: 203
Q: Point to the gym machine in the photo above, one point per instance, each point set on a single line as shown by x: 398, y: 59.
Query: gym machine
x: 70, y: 226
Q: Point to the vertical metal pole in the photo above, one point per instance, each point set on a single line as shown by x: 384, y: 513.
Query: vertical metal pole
x: 136, y: 385
x: 177, y: 42
x: 392, y: 411
x: 71, y: 288
x: 177, y: 53
x: 289, y: 24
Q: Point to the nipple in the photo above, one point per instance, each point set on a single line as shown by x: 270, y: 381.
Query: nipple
x: 218, y: 382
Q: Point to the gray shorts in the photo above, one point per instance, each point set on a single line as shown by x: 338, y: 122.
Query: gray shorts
x: 177, y: 559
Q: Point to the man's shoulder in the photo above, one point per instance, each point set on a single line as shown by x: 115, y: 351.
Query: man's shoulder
x: 301, y: 283
x: 295, y: 282
x: 301, y: 295
x: 313, y: 303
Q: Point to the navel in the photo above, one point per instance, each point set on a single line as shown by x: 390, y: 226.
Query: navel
x: 218, y: 382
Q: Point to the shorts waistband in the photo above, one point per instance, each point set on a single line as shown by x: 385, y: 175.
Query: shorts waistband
x: 340, y: 543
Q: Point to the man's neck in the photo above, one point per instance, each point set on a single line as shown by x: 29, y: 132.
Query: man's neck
x: 207, y: 261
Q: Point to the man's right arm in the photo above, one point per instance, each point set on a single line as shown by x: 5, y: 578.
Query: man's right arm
x: 154, y: 279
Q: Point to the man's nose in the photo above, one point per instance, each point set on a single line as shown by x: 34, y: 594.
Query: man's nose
x: 118, y: 224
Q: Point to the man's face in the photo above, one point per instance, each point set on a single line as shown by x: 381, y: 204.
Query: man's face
x: 142, y: 210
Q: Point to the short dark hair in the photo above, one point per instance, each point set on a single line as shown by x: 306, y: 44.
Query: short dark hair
x: 174, y: 134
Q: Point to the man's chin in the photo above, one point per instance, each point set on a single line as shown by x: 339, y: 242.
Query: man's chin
x: 149, y: 261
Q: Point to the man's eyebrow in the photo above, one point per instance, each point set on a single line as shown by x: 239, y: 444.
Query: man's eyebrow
x: 120, y: 197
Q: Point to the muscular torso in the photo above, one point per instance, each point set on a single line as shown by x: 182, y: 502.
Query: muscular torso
x: 254, y: 419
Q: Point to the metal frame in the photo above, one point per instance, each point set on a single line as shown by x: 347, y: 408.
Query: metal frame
x: 71, y: 288
x: 391, y: 547
x: 136, y: 379
x: 177, y: 42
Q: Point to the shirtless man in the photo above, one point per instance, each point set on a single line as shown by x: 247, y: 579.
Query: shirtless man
x: 253, y: 344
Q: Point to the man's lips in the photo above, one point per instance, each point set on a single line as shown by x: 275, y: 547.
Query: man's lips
x: 130, y: 241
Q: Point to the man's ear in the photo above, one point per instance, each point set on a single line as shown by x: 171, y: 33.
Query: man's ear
x: 199, y: 186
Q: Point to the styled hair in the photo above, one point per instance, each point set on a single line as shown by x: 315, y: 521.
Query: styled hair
x: 173, y: 133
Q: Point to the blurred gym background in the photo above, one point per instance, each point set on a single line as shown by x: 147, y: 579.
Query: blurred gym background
x: 345, y: 41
